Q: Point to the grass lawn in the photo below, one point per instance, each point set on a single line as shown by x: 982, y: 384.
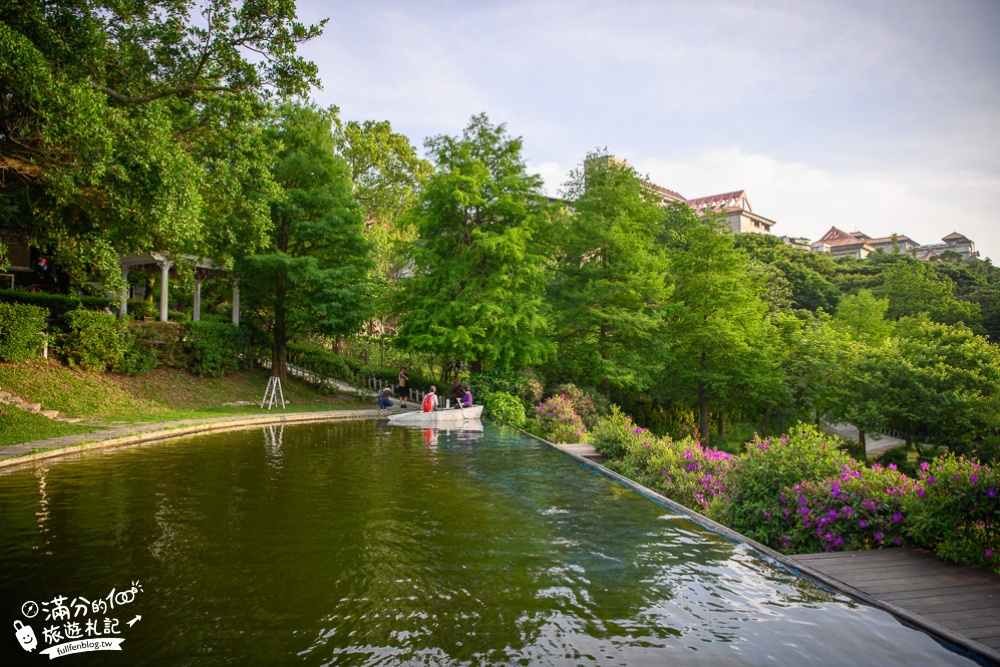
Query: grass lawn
x: 106, y: 400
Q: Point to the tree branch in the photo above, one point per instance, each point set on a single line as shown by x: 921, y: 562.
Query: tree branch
x: 128, y: 99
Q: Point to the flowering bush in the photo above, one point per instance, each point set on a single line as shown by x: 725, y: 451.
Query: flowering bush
x: 504, y: 408
x: 751, y: 502
x: 955, y: 510
x: 859, y: 508
x: 683, y: 471
x: 585, y: 403
x: 558, y: 422
x: 529, y: 387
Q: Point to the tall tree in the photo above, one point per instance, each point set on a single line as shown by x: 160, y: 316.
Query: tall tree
x: 127, y: 127
x: 313, y: 277
x: 609, y: 292
x: 718, y: 333
x: 478, y: 285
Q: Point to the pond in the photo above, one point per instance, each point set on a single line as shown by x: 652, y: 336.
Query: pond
x: 362, y: 544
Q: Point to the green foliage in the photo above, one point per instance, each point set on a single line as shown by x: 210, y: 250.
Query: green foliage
x: 134, y: 129
x: 313, y: 279
x: 558, y: 422
x: 862, y: 317
x: 216, y: 348
x: 479, y: 270
x: 807, y: 275
x: 56, y: 304
x: 859, y: 508
x: 504, y: 408
x: 587, y: 404
x: 524, y: 384
x: 750, y: 503
x: 955, y: 511
x: 914, y: 287
x: 22, y: 331
x: 96, y: 340
x: 609, y: 291
x: 719, y: 342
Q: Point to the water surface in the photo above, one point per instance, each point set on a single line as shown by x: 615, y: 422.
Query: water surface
x: 361, y: 544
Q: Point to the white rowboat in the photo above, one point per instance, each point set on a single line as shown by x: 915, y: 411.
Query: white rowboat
x: 445, y: 417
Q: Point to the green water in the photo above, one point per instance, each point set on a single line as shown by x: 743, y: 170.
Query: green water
x: 362, y: 544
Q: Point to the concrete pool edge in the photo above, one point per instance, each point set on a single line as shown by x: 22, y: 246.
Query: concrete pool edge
x: 134, y: 435
x: 962, y: 643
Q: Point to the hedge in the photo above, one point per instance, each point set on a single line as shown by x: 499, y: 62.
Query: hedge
x: 22, y: 331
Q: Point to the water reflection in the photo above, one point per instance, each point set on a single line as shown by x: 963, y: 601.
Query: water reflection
x: 390, y: 545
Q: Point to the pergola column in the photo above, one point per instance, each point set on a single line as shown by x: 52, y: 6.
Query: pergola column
x: 123, y: 302
x: 236, y: 302
x: 164, y: 265
x: 196, y: 305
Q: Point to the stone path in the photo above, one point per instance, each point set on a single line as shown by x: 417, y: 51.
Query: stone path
x: 137, y: 433
x: 875, y: 443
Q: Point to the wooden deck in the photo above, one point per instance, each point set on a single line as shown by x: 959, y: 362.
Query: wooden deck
x: 958, y: 603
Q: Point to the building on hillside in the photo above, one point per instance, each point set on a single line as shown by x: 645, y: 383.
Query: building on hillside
x: 895, y: 243
x: 954, y: 242
x: 800, y: 242
x: 839, y: 243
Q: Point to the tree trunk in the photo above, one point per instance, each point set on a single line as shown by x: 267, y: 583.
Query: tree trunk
x: 279, y: 361
x: 703, y: 423
x: 150, y: 284
x: 763, y: 422
x: 720, y: 424
x: 476, y: 366
x: 862, y: 441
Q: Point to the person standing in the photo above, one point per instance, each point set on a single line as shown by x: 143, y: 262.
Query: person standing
x: 402, y: 388
x: 431, y: 400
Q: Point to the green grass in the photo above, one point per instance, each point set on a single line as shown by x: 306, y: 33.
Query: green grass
x: 106, y: 400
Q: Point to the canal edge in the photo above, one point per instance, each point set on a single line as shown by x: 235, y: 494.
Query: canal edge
x: 964, y: 644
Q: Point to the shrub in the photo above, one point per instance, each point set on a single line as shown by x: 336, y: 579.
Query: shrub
x: 683, y: 471
x: 215, y: 348
x: 22, y: 331
x: 57, y: 304
x: 524, y: 384
x: 586, y: 404
x: 504, y: 408
x: 558, y: 422
x: 96, y: 340
x: 955, y: 510
x: 766, y: 468
x: 859, y: 508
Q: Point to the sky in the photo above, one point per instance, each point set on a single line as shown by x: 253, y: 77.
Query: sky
x: 880, y: 115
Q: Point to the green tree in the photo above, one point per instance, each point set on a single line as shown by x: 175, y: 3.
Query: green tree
x: 387, y: 175
x: 719, y: 339
x: 610, y: 291
x: 128, y: 127
x: 914, y: 287
x: 313, y: 277
x: 479, y: 273
x: 861, y: 316
x: 809, y: 275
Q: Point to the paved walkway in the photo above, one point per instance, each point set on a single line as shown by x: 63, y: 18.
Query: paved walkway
x: 875, y: 443
x: 137, y: 433
x: 958, y: 603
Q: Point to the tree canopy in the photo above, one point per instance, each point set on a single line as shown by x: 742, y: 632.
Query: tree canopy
x: 127, y: 127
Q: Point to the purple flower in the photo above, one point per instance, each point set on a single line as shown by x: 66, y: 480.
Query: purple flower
x: 921, y: 492
x: 991, y: 493
x: 930, y: 479
x: 832, y: 514
x: 973, y: 478
x: 862, y: 523
x: 767, y: 515
x: 892, y: 466
x: 989, y: 553
x: 878, y: 537
x: 804, y: 510
x: 896, y: 541
x: 897, y: 517
x: 847, y: 511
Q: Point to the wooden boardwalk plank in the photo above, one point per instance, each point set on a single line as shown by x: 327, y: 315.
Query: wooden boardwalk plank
x: 959, y: 603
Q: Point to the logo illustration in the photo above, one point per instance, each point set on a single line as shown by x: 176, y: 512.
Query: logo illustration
x: 26, y: 636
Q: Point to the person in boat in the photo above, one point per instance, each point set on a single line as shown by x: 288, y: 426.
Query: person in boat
x: 466, y: 400
x: 431, y: 400
x: 384, y: 399
x: 403, y: 389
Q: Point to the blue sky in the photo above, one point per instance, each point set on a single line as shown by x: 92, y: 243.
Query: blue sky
x: 882, y: 116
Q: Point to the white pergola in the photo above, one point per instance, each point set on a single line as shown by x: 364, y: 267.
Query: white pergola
x: 203, y: 268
